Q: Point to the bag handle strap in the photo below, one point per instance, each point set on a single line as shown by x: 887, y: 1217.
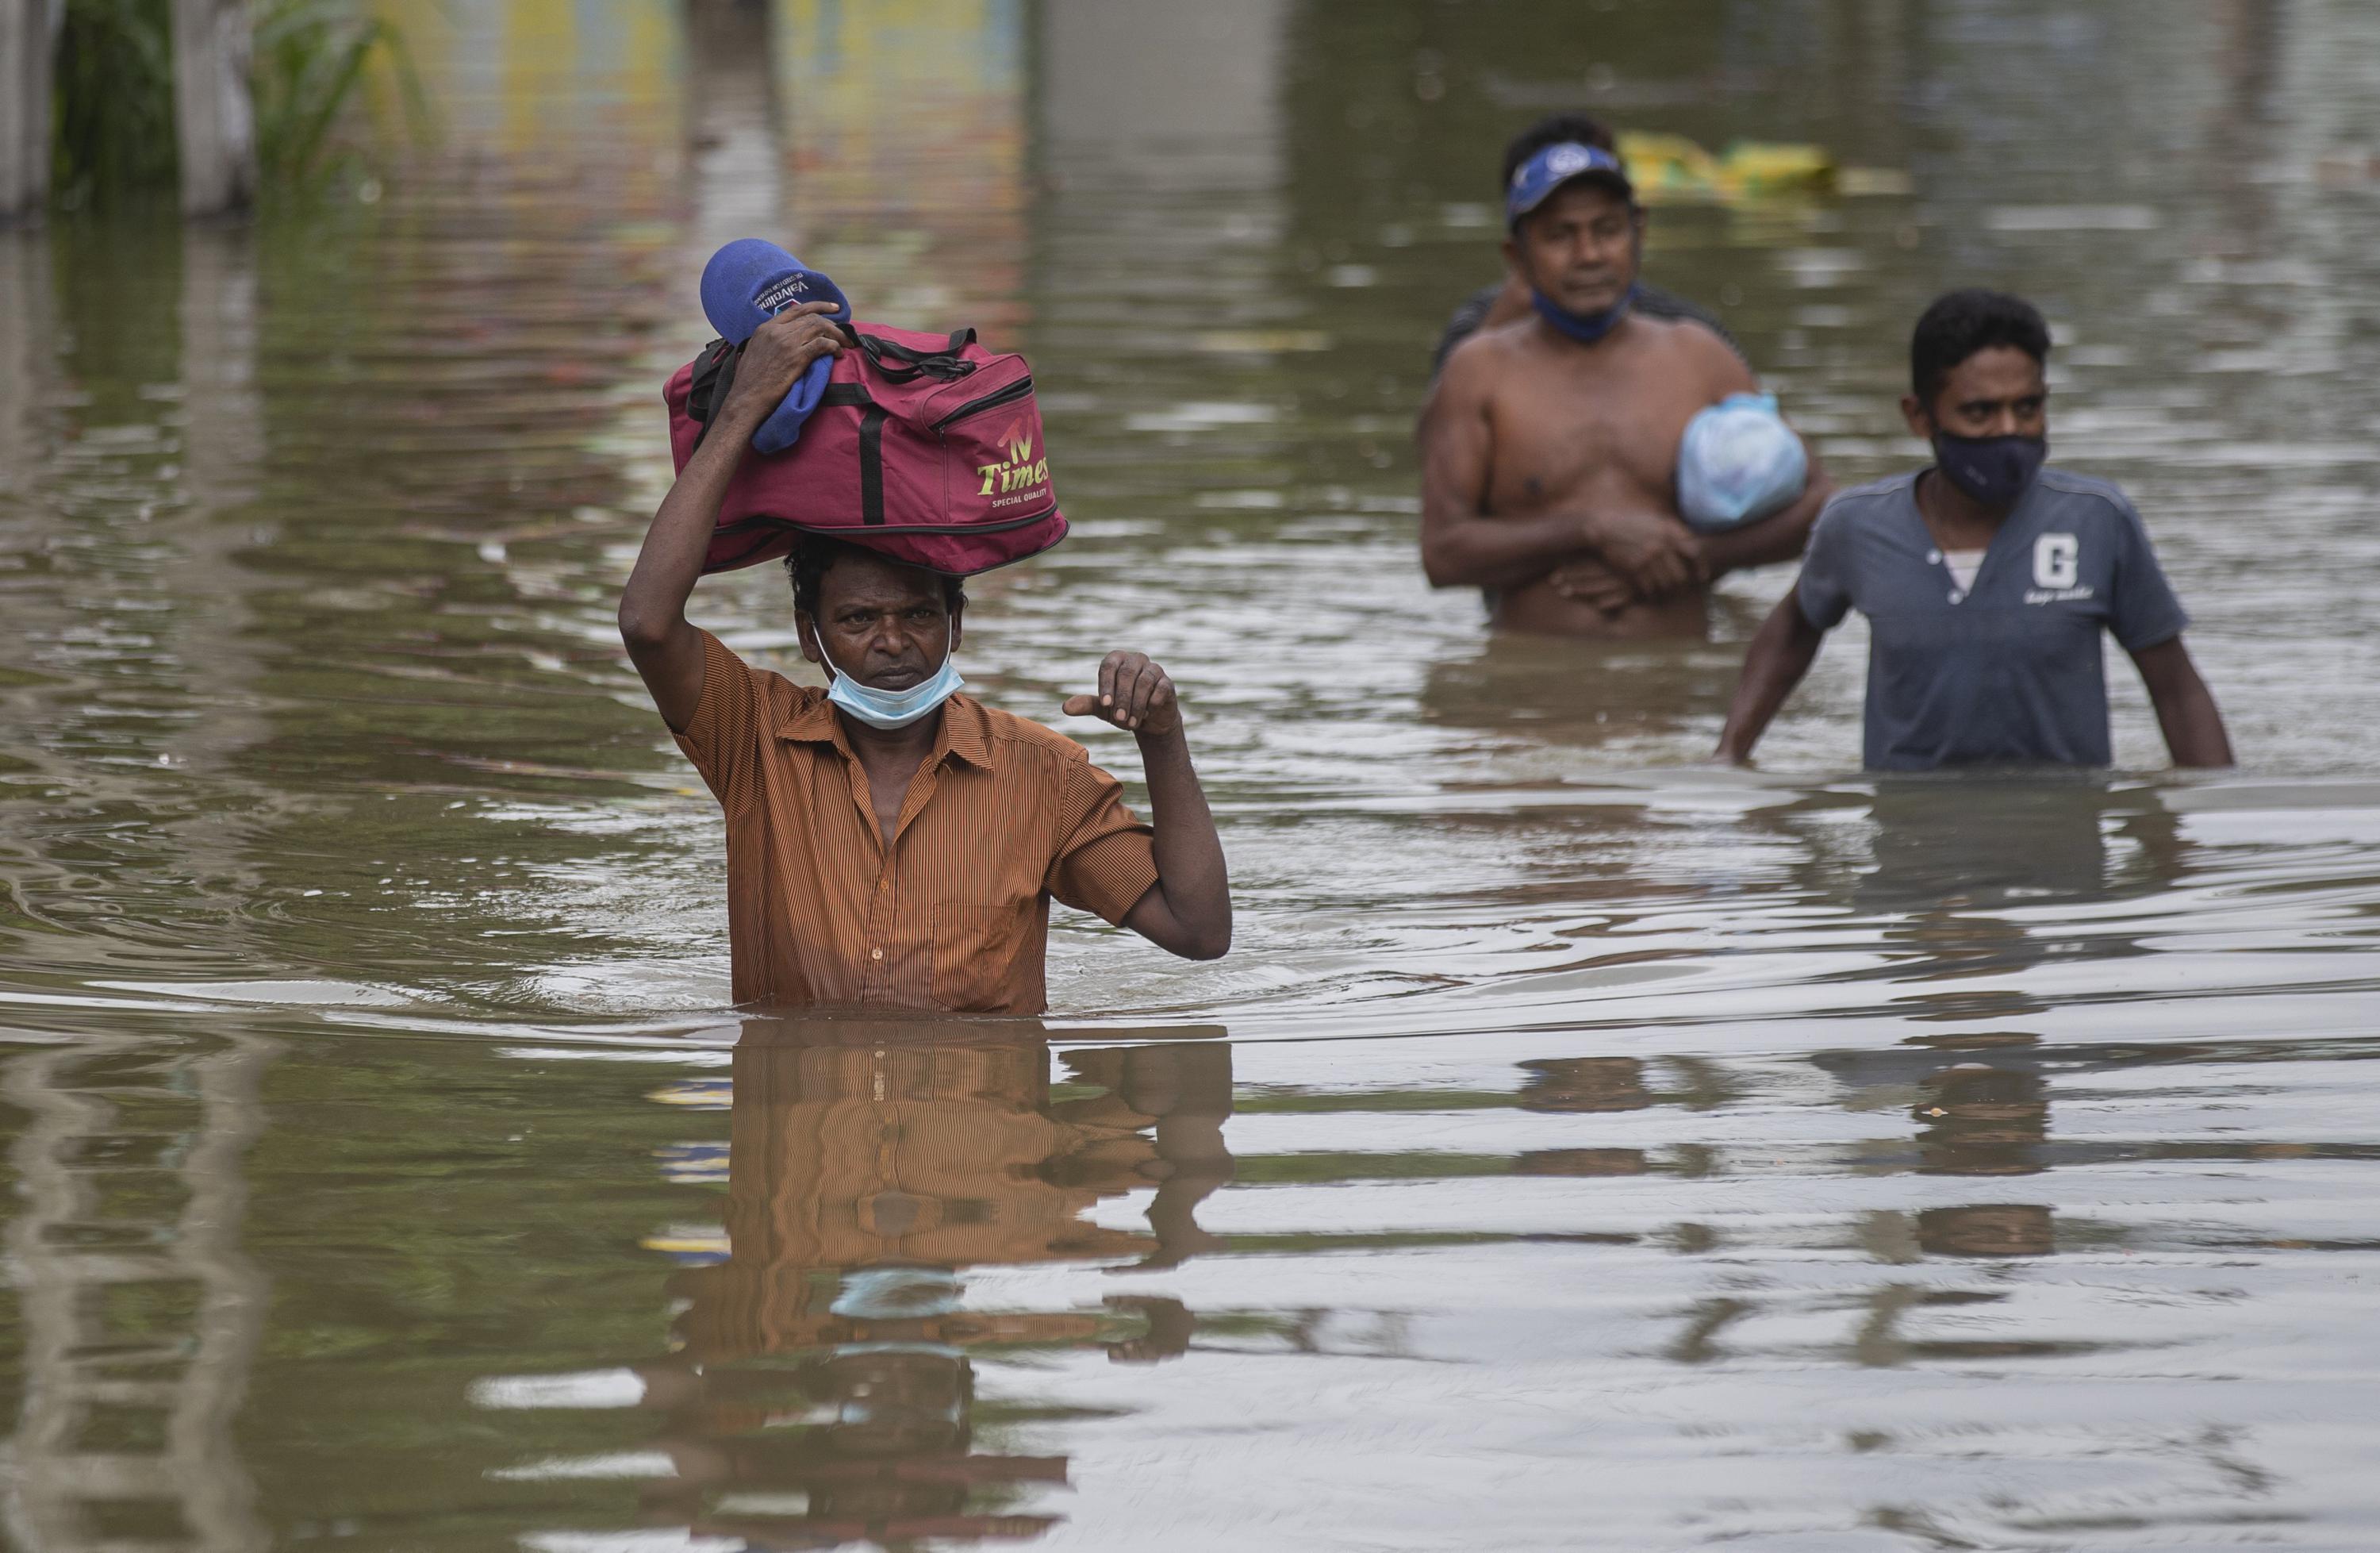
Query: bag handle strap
x: 896, y: 363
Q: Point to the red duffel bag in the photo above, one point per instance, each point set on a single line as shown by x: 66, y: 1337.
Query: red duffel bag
x: 925, y: 449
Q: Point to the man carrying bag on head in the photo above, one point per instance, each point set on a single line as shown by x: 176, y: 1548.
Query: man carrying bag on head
x: 892, y: 842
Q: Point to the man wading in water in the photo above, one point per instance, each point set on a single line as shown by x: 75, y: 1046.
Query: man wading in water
x: 1986, y: 578
x: 890, y: 842
x: 1549, y: 445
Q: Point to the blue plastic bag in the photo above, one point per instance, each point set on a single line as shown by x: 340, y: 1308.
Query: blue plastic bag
x: 750, y: 281
x: 1738, y: 461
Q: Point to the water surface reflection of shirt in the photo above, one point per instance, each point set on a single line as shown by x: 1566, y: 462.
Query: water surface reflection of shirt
x: 1004, y: 816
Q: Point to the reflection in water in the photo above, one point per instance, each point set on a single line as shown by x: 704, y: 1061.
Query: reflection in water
x: 1986, y: 1229
x: 1584, y: 1085
x: 1977, y: 847
x: 1608, y: 703
x: 1981, y: 1108
x: 141, y: 1312
x: 824, y: 1385
x: 1975, y: 1119
x: 734, y: 138
x: 1181, y: 1093
x: 1977, y: 889
x: 905, y: 135
x: 28, y: 346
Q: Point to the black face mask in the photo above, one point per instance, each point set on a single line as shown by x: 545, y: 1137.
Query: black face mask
x: 1994, y: 471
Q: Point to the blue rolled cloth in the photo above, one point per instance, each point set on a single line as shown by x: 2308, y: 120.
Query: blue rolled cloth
x: 749, y: 281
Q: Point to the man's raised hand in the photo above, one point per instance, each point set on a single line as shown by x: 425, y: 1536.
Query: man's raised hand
x: 781, y: 349
x: 1134, y: 693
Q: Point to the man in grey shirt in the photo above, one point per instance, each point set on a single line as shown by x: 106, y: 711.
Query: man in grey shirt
x: 1985, y: 579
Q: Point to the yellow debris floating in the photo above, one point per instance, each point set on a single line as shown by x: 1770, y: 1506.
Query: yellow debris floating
x: 700, y: 1095
x: 689, y: 1245
x: 1673, y: 167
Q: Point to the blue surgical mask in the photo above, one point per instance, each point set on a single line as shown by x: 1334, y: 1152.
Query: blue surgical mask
x: 893, y: 709
x: 1995, y: 470
x: 1584, y: 327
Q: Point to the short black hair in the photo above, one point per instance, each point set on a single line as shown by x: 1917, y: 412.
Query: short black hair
x: 809, y: 563
x: 1554, y: 131
x: 1962, y: 323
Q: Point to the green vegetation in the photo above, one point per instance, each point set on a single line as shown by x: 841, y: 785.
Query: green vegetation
x: 312, y: 55
x: 112, y: 125
x: 113, y: 110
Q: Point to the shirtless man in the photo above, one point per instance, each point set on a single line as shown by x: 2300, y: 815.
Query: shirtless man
x: 1549, y: 445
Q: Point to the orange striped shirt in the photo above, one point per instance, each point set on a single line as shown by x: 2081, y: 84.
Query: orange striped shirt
x: 1002, y: 817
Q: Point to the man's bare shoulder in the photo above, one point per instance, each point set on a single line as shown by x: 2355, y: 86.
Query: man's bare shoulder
x: 1498, y: 363
x: 1692, y: 341
x: 1474, y: 364
x: 1676, y: 333
x: 1465, y: 390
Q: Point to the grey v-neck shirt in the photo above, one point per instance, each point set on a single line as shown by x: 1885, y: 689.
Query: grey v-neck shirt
x: 2013, y: 672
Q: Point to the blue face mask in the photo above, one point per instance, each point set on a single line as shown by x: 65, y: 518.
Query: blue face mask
x: 891, y: 709
x: 1584, y: 327
x: 1994, y: 471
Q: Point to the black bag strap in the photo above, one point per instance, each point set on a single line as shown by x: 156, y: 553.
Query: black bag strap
x: 872, y: 416
x: 896, y: 363
x: 871, y: 465
x: 714, y: 375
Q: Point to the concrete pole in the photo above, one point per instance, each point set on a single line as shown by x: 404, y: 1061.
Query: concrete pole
x: 213, y: 109
x: 26, y: 55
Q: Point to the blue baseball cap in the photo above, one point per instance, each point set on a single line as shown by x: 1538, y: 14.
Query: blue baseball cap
x: 1534, y: 180
x: 750, y: 280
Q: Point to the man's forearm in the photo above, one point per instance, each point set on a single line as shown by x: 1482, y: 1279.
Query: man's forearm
x: 2193, y: 731
x: 1780, y: 653
x: 1777, y: 537
x: 2186, y: 711
x: 1191, y: 874
x: 1470, y: 550
x: 653, y: 603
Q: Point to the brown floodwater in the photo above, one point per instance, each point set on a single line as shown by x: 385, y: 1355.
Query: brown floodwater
x: 1582, y: 1146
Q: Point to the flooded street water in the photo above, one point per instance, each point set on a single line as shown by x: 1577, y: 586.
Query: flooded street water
x: 1582, y: 1146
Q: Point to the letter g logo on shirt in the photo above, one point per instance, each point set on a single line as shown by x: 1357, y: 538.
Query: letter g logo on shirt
x: 2056, y: 560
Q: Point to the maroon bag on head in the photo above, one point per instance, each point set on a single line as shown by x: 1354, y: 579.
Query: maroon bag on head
x: 926, y: 448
